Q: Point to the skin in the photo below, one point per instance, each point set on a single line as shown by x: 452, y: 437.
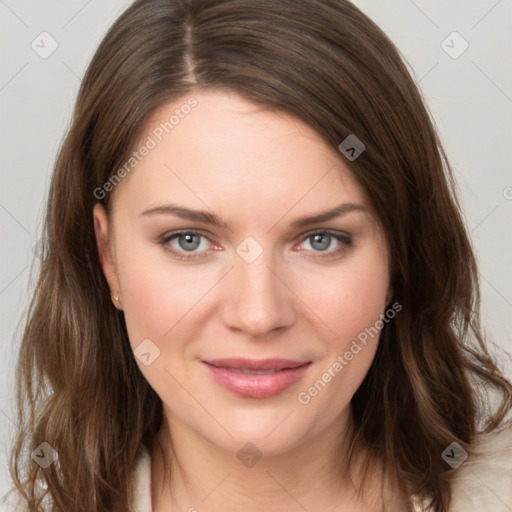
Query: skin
x: 258, y: 171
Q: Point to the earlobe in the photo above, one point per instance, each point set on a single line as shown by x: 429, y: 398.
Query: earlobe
x: 101, y: 231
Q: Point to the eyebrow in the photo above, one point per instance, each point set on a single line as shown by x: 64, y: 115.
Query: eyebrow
x: 211, y: 218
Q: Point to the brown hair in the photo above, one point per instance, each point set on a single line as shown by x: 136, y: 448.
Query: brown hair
x: 78, y: 386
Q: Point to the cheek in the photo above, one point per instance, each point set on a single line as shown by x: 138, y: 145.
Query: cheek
x: 354, y: 317
x: 360, y: 320
x: 352, y: 297
x: 157, y: 296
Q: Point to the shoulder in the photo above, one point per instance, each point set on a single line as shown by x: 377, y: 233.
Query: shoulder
x: 141, y: 500
x: 483, y: 482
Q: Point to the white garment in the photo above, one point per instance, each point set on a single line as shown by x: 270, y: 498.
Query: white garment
x: 483, y: 483
x: 142, y: 482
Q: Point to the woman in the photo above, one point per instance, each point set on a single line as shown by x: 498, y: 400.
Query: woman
x: 256, y: 292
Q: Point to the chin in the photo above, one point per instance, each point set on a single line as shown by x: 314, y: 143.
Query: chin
x: 269, y: 433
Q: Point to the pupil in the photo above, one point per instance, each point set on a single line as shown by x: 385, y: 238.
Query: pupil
x: 323, y: 245
x: 187, y: 239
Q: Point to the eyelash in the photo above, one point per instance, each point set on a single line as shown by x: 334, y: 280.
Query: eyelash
x: 345, y: 240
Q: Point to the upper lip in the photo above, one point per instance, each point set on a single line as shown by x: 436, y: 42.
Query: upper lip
x: 255, y: 364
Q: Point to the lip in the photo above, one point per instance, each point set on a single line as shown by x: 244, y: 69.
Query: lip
x: 281, y: 374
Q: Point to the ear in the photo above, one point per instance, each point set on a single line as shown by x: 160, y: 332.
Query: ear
x: 101, y: 231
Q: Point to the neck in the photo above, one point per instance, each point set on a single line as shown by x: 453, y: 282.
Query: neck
x: 207, y: 478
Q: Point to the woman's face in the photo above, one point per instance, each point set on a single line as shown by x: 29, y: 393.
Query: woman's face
x: 260, y: 284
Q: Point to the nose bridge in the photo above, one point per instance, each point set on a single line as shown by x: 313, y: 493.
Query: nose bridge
x: 260, y: 302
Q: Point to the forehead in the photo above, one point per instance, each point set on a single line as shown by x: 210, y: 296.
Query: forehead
x: 226, y: 151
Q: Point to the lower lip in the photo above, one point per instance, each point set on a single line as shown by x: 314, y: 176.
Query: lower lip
x: 254, y: 385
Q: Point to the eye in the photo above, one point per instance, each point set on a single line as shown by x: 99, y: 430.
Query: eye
x: 320, y: 241
x: 186, y: 243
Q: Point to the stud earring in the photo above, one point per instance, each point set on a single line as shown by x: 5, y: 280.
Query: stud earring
x: 115, y: 297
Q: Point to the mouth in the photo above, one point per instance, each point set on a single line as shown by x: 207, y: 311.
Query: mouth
x: 253, y: 378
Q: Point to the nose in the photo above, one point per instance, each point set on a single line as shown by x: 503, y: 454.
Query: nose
x: 258, y: 300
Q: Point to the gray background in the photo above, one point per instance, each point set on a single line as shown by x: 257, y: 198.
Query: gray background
x: 469, y: 95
